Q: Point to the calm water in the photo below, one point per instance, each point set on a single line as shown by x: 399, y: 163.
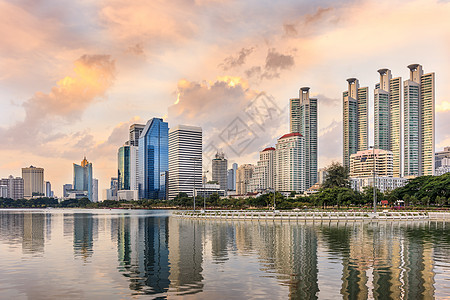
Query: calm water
x: 60, y: 254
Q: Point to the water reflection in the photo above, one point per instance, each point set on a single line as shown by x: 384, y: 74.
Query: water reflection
x: 161, y: 256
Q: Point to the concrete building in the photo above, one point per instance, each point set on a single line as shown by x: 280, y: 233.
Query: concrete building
x: 382, y: 183
x: 48, y: 189
x: 83, y: 178
x: 208, y: 189
x: 303, y: 119
x: 355, y: 119
x: 127, y: 195
x: 419, y: 129
x: 153, y: 159
x: 219, y: 170
x: 135, y: 133
x: 263, y: 177
x: 33, y: 182
x: 322, y: 175
x: 66, y: 188
x: 95, y: 190
x: 231, y: 177
x: 362, y: 163
x: 185, y: 160
x: 289, y: 163
x: 12, y: 188
x: 442, y: 158
x: 243, y: 175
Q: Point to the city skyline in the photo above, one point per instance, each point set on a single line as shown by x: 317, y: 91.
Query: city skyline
x: 72, y: 85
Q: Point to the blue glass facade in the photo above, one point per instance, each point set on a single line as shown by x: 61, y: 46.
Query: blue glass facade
x: 153, y: 159
x: 83, y: 178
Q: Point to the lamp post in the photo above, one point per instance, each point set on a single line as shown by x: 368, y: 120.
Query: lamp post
x: 374, y: 185
x: 204, y: 198
x: 195, y: 159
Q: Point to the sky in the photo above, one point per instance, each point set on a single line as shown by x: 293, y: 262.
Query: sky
x: 75, y: 75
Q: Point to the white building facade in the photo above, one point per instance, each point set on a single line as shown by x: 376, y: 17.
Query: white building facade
x: 289, y: 163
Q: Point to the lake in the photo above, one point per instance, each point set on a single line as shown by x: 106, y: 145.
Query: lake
x: 117, y: 254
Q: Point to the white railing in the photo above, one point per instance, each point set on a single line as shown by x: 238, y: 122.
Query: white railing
x: 309, y: 215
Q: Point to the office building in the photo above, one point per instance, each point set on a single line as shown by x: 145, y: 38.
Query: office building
x: 209, y: 189
x: 442, y: 162
x: 289, y: 163
x: 263, y: 178
x: 185, y: 160
x: 419, y: 131
x: 219, y: 170
x: 135, y: 133
x: 127, y: 172
x: 362, y: 163
x: 13, y: 187
x: 95, y: 190
x: 303, y: 119
x: 66, y: 189
x: 355, y: 119
x: 83, y: 178
x: 322, y: 175
x: 244, y: 174
x: 153, y: 159
x: 127, y: 195
x: 33, y: 182
x: 48, y: 189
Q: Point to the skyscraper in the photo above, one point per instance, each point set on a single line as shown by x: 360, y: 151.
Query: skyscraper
x: 388, y: 103
x: 153, y: 159
x: 263, y: 177
x: 419, y: 95
x: 33, y: 182
x: 355, y: 119
x: 244, y: 174
x: 48, y: 189
x: 303, y: 119
x: 219, y: 170
x: 185, y: 160
x: 123, y: 172
x: 135, y: 133
x: 95, y: 190
x: 289, y: 163
x: 83, y: 178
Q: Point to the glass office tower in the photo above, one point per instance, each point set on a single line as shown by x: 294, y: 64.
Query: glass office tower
x: 153, y: 159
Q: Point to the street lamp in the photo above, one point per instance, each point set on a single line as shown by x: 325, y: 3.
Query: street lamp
x: 204, y: 198
x: 195, y: 159
x: 374, y: 185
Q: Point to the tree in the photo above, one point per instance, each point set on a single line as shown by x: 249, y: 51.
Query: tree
x: 337, y: 176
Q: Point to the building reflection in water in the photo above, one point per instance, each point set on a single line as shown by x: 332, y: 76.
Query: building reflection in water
x: 84, y: 225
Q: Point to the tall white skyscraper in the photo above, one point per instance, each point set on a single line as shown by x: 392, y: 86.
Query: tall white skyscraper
x: 303, y: 119
x: 185, y: 160
x: 263, y: 177
x: 95, y: 190
x: 289, y: 163
x: 355, y: 119
x: 419, y: 132
x: 388, y: 124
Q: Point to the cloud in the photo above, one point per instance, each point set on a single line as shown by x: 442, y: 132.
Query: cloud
x: 322, y: 99
x: 238, y: 60
x: 234, y: 117
x: 65, y: 103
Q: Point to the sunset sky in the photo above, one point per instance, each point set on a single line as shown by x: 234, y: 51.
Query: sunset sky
x: 75, y: 74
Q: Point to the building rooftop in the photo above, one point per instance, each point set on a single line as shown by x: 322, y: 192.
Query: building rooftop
x: 290, y: 134
x: 268, y: 149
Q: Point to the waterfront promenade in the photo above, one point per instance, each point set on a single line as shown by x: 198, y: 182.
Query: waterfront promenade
x: 311, y: 215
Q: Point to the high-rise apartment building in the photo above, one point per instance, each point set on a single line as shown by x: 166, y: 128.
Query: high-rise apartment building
x: 303, y: 119
x: 33, y: 182
x: 419, y: 132
x: 387, y: 118
x: 13, y: 187
x: 219, y: 170
x: 185, y: 160
x: 83, y: 178
x: 244, y: 174
x: 263, y: 177
x: 153, y: 159
x: 355, y: 119
x: 135, y: 133
x: 289, y: 163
